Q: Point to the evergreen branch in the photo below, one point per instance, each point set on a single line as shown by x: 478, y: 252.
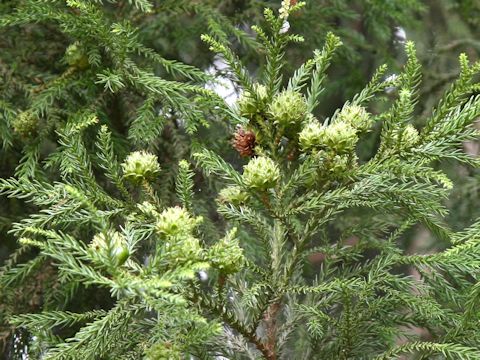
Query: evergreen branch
x: 240, y: 72
x: 95, y: 339
x: 212, y: 164
x: 109, y: 162
x: 51, y: 319
x: 449, y: 350
x: 184, y: 184
x: 332, y: 42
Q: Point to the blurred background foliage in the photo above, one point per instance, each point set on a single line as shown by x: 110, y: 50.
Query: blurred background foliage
x: 373, y: 33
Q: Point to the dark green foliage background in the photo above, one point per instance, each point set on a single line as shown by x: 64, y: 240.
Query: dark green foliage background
x: 34, y: 76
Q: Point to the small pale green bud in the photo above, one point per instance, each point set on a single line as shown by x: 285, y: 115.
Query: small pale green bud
x: 140, y: 165
x: 248, y: 106
x: 26, y: 124
x: 405, y: 94
x: 339, y: 165
x: 176, y: 221
x: 75, y: 56
x: 183, y: 250
x: 227, y: 255
x: 233, y: 195
x: 356, y: 116
x: 147, y: 208
x: 99, y: 242
x: 288, y: 109
x: 163, y: 351
x: 444, y: 181
x: 410, y: 136
x: 261, y: 173
x: 311, y: 136
x: 110, y: 246
x: 261, y: 91
x: 340, y: 137
x: 405, y: 138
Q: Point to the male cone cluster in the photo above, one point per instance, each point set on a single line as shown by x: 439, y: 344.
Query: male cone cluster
x: 139, y: 166
x: 26, y: 125
x: 110, y: 248
x: 261, y: 173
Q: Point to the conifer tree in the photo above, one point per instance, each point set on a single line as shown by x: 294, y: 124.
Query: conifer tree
x: 301, y: 254
x: 125, y: 62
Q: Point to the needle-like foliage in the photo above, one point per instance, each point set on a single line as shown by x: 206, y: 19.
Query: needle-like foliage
x: 300, y: 254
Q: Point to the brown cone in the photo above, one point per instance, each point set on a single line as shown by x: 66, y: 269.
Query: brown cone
x: 244, y: 142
